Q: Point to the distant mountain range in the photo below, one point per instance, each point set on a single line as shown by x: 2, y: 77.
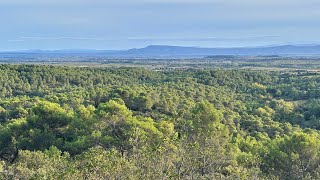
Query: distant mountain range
x: 178, y: 51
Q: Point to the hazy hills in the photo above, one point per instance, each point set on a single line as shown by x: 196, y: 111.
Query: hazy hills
x: 195, y: 51
x: 178, y: 51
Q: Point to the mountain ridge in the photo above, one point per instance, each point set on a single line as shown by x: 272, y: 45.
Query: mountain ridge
x: 173, y: 51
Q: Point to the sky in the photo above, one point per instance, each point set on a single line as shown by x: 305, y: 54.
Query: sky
x: 125, y: 24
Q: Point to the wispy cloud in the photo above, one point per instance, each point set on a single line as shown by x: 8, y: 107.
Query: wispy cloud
x: 181, y: 39
x: 15, y: 40
x: 213, y: 39
x: 64, y: 38
x: 75, y: 2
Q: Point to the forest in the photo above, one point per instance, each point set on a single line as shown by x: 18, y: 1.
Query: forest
x: 61, y: 122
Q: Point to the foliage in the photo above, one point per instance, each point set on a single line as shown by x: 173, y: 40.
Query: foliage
x: 133, y: 123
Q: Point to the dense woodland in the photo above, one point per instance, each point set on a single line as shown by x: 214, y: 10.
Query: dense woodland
x: 134, y: 123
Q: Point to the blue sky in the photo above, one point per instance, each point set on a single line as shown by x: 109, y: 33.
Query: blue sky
x: 123, y: 24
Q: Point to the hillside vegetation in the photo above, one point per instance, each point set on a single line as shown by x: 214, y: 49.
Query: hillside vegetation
x: 133, y: 123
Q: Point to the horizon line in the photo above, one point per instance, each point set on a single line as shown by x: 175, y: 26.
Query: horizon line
x: 164, y: 45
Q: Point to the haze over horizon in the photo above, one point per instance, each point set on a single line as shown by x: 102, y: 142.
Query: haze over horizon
x: 111, y: 24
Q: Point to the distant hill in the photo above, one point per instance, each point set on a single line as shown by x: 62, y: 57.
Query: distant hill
x: 178, y: 51
x: 196, y: 51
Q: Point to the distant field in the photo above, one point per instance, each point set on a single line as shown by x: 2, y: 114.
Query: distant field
x: 274, y: 63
